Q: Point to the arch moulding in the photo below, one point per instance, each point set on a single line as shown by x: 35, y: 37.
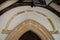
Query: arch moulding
x: 29, y: 25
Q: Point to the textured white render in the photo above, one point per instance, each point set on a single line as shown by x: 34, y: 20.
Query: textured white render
x: 29, y: 15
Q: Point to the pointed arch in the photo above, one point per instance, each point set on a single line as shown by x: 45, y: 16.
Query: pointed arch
x: 27, y: 25
x: 29, y: 35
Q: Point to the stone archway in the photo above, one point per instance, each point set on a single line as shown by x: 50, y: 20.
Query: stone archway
x: 29, y: 35
x: 31, y: 25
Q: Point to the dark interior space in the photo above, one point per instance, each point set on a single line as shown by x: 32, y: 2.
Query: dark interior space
x: 29, y: 35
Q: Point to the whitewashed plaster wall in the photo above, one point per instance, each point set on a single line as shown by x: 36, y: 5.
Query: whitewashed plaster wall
x: 6, y: 16
x: 29, y: 15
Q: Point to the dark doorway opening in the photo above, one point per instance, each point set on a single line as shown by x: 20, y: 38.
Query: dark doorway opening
x: 29, y: 35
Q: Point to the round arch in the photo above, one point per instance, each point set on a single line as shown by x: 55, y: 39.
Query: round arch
x: 23, y: 9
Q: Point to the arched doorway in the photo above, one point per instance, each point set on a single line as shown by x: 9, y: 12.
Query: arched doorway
x: 31, y: 25
x: 29, y: 35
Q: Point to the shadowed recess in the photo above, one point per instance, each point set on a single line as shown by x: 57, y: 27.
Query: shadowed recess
x: 29, y: 35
